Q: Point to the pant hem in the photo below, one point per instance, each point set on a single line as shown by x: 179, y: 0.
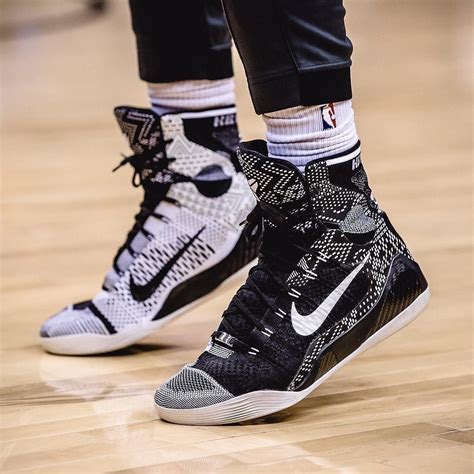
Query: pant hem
x: 314, y: 87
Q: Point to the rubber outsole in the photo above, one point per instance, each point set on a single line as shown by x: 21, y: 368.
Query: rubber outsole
x: 89, y: 344
x: 265, y: 402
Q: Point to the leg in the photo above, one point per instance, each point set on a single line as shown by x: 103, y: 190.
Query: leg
x: 184, y: 54
x: 333, y: 278
x: 294, y: 52
x: 297, y: 59
x: 181, y: 40
x: 187, y: 238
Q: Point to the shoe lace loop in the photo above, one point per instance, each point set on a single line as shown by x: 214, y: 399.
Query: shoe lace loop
x: 149, y: 164
x: 150, y: 167
x: 279, y: 233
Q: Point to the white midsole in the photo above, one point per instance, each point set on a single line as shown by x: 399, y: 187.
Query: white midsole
x: 87, y: 343
x: 264, y: 402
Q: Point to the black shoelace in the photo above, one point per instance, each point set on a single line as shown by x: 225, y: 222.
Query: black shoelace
x: 151, y: 170
x: 295, y: 234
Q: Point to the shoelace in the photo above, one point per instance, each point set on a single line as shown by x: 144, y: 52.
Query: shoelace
x: 149, y: 165
x: 282, y: 233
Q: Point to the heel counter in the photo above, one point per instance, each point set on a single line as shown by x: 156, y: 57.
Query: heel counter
x: 403, y: 248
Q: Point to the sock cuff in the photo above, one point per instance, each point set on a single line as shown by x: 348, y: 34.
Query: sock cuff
x: 191, y: 95
x: 301, y: 134
x: 303, y: 120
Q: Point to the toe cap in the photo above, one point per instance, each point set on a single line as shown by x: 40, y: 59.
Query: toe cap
x: 190, y: 388
x: 72, y: 320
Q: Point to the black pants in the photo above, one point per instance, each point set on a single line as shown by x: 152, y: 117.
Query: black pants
x: 295, y: 52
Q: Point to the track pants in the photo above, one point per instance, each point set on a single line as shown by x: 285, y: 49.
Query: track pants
x: 295, y: 52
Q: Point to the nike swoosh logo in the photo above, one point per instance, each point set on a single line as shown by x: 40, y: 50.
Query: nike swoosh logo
x: 143, y: 292
x: 307, y: 325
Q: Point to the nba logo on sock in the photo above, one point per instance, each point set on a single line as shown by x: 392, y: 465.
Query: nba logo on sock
x: 329, y: 116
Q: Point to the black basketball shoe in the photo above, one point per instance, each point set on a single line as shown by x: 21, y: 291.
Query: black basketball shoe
x: 187, y: 238
x: 333, y: 279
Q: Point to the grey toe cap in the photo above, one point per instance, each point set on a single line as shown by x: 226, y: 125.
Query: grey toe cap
x: 190, y: 388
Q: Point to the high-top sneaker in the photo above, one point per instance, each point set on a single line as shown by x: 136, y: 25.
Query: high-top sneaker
x: 333, y: 279
x: 187, y: 237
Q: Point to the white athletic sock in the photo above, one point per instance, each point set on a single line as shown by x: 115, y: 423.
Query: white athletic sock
x: 191, y: 95
x: 302, y: 134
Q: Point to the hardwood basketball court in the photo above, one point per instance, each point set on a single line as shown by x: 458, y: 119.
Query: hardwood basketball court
x: 405, y: 406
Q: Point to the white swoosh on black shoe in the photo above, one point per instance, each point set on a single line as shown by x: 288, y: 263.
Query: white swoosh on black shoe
x: 143, y: 292
x: 308, y: 324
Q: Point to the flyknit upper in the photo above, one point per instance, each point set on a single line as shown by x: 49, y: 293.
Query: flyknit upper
x: 195, y: 197
x: 331, y: 205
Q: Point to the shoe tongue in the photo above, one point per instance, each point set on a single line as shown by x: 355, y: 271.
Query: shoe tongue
x: 141, y: 127
x: 280, y: 186
x: 277, y: 183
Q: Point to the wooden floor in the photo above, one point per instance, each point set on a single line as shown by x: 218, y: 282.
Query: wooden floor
x: 405, y: 406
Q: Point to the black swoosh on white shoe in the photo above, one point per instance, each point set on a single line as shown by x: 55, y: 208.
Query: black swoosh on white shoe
x: 143, y: 292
